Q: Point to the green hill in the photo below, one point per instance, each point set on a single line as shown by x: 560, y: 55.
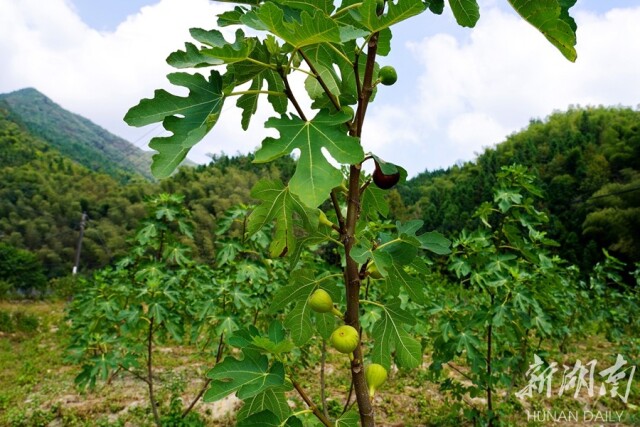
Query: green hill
x: 43, y: 194
x: 587, y: 160
x: 75, y: 136
x: 588, y: 163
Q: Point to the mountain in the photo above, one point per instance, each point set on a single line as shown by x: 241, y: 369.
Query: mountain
x: 75, y: 136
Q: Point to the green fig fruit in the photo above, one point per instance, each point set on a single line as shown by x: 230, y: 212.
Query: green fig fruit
x: 324, y: 220
x: 376, y: 375
x: 373, y: 271
x: 387, y: 75
x: 345, y: 339
x: 320, y: 301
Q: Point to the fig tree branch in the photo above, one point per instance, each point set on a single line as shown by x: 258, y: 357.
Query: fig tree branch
x: 316, y: 411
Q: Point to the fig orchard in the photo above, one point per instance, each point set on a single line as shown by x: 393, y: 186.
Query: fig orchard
x: 336, y: 45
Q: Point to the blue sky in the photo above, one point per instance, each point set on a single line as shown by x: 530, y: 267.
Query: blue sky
x: 459, y: 90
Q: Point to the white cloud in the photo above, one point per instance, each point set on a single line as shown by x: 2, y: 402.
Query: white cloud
x: 473, y: 93
x: 99, y: 74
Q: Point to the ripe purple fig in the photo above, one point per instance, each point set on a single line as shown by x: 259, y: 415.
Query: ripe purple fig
x: 383, y: 181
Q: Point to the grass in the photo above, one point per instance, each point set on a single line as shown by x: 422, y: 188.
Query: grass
x: 37, y: 386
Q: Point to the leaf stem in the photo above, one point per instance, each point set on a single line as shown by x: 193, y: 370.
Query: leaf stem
x: 290, y: 95
x: 262, y: 64
x: 366, y: 301
x: 346, y: 9
x: 312, y: 67
x: 302, y: 70
x: 341, y: 54
x: 388, y: 243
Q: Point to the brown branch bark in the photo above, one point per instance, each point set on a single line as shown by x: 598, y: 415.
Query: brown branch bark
x: 154, y: 405
x: 316, y: 411
x: 367, y: 86
x: 352, y: 273
x: 208, y: 381
x: 352, y: 317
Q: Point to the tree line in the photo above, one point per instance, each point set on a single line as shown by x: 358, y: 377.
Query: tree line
x: 587, y: 161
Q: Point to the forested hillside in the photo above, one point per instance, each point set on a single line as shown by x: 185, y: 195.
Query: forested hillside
x: 587, y: 160
x: 75, y: 136
x: 43, y: 194
x: 588, y: 164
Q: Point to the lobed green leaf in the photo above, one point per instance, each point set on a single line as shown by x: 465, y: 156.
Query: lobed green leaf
x: 188, y: 118
x: 466, y: 12
x: 311, y: 28
x: 247, y: 377
x: 314, y: 176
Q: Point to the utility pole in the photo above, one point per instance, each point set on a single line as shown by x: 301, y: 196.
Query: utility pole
x: 83, y: 223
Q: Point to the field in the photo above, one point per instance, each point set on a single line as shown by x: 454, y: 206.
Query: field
x: 37, y: 386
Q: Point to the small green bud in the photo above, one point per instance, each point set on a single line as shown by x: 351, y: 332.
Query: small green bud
x: 373, y: 271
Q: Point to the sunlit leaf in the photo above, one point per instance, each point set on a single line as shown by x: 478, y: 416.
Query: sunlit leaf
x: 314, y: 176
x: 312, y: 28
x: 188, y: 118
x: 395, y: 12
